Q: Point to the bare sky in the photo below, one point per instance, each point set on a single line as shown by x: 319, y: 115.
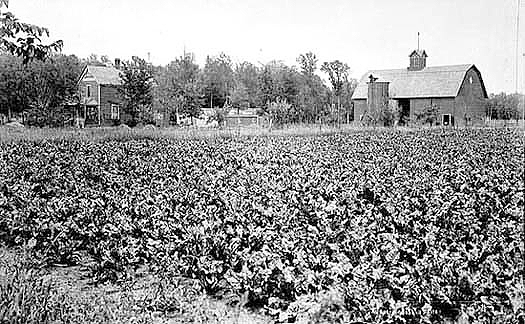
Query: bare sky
x: 366, y: 34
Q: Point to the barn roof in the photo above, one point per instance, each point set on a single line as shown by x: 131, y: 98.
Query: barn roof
x: 431, y: 82
x: 420, y: 53
x: 105, y: 75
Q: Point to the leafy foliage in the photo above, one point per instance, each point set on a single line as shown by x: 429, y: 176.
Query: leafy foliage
x: 22, y: 39
x: 179, y: 88
x: 39, y: 88
x: 137, y: 90
x: 428, y: 115
x: 338, y: 75
x: 505, y: 106
x: 313, y: 94
x: 388, y: 114
x: 218, y: 80
x: 219, y: 116
x: 399, y: 227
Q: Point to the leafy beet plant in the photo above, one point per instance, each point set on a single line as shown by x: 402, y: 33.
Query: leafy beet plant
x: 407, y: 227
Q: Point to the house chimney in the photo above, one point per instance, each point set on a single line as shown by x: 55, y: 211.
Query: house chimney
x: 418, y: 60
x: 117, y: 63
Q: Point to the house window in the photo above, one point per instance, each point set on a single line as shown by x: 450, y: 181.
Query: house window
x: 88, y: 91
x: 115, y: 111
x: 91, y: 112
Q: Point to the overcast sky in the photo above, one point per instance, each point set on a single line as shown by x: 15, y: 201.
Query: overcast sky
x: 366, y: 34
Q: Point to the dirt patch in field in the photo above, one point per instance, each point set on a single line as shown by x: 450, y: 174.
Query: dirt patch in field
x: 144, y: 298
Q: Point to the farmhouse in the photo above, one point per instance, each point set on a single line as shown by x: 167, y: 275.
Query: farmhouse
x: 456, y: 92
x: 100, y: 100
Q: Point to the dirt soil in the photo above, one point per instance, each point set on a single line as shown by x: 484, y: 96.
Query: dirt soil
x: 144, y: 298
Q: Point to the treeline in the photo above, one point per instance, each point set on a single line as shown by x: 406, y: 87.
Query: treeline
x: 39, y: 88
x: 289, y: 94
x: 505, y: 106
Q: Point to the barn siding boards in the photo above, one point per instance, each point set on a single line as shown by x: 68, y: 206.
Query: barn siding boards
x: 417, y: 106
x: 446, y: 106
x: 377, y: 96
x: 471, y: 107
x: 360, y: 108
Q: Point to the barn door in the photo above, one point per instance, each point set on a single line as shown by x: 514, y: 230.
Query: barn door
x: 446, y: 120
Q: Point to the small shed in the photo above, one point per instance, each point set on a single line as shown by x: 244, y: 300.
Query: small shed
x: 243, y: 118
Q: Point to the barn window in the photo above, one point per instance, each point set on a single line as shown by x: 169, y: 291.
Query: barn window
x: 88, y: 91
x: 447, y: 120
x: 115, y: 111
x: 470, y: 80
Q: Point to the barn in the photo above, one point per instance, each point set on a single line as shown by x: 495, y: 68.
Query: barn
x: 456, y: 92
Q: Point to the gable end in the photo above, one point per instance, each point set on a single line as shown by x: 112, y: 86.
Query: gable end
x: 480, y: 78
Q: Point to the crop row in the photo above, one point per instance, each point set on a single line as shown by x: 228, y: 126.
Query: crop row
x: 405, y: 226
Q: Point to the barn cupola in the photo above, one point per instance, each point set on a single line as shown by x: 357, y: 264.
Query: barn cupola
x: 418, y: 60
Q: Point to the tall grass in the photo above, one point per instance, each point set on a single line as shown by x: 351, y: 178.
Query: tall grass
x: 29, y: 295
x: 123, y: 133
x: 26, y: 294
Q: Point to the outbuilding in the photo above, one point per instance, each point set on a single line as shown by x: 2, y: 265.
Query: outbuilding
x: 456, y: 92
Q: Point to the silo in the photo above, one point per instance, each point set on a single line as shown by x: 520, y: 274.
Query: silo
x: 377, y: 95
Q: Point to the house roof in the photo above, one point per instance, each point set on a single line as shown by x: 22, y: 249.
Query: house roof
x: 105, y: 75
x: 430, y: 82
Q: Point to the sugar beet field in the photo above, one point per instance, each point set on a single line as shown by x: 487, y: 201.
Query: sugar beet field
x: 378, y: 226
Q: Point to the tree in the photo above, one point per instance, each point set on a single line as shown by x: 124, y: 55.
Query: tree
x: 308, y: 91
x: 13, y: 85
x: 308, y: 64
x: 347, y: 91
x: 218, y: 80
x: 279, y: 82
x: 246, y: 75
x: 137, y: 90
x: 39, y: 88
x: 337, y: 74
x: 240, y: 98
x: 265, y: 87
x: 22, y: 39
x: 504, y: 106
x: 94, y: 59
x: 278, y: 111
x: 179, y: 89
x: 164, y: 98
x: 313, y: 97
